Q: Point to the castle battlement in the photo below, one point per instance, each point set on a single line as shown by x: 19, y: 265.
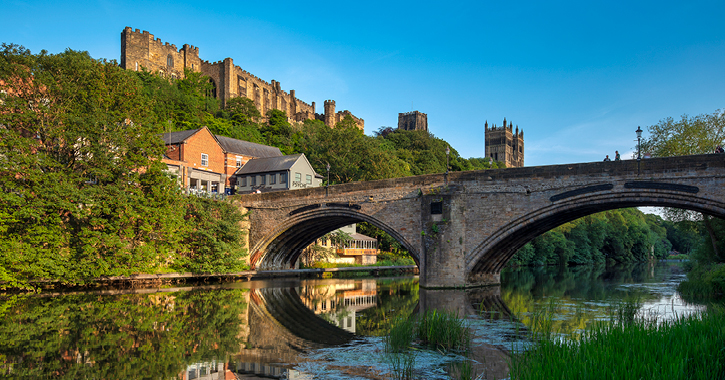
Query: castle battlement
x: 141, y: 49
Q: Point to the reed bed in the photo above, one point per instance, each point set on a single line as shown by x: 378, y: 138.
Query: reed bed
x: 626, y: 347
x: 442, y: 331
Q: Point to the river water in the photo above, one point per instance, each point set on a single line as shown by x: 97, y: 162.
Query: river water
x: 305, y: 329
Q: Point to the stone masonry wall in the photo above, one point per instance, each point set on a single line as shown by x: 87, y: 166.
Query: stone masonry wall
x: 139, y: 49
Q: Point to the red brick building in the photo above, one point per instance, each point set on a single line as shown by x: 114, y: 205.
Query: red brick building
x: 207, y: 162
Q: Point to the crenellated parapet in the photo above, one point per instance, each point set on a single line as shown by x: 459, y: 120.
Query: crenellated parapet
x: 140, y: 49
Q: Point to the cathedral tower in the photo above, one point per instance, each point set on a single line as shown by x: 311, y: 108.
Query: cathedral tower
x: 505, y: 144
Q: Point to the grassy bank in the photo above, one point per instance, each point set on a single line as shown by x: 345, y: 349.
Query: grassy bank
x: 689, y: 347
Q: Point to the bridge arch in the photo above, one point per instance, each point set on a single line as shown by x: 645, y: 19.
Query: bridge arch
x: 491, y: 255
x: 281, y: 248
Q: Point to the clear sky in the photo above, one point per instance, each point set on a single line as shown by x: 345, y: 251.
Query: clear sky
x: 577, y: 76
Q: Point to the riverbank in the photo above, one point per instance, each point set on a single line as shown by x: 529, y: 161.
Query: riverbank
x: 688, y: 347
x: 142, y: 280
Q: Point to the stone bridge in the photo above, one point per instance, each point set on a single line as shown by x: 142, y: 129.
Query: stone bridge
x: 461, y: 230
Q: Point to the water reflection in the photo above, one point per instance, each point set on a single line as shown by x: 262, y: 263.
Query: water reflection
x: 294, y: 329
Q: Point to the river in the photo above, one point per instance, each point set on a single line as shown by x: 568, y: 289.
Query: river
x: 304, y: 329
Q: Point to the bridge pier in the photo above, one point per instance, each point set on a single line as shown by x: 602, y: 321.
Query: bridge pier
x: 444, y: 220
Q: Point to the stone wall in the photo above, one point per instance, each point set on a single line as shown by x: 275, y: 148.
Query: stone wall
x: 139, y: 49
x: 463, y: 233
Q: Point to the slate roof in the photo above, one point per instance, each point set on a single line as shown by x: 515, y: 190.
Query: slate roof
x: 247, y: 148
x: 269, y: 164
x: 357, y: 236
x: 177, y: 137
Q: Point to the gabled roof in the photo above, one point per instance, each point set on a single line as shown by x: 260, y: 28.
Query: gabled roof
x: 247, y: 148
x: 271, y: 164
x: 178, y: 137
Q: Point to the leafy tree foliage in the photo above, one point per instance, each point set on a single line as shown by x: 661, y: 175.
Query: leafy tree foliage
x: 84, y: 193
x: 615, y: 236
x: 690, y: 135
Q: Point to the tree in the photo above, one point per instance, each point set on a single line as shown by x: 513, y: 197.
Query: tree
x: 690, y: 135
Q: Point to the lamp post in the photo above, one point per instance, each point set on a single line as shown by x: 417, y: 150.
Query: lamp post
x: 327, y: 185
x: 639, y: 156
x: 448, y: 152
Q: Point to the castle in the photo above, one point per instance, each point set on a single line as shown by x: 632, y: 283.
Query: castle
x: 413, y: 121
x: 505, y: 145
x: 141, y: 50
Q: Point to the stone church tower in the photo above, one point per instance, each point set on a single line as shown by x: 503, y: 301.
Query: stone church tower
x: 505, y: 145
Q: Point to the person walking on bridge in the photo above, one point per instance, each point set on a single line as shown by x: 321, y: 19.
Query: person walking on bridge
x: 607, y: 158
x: 616, y: 155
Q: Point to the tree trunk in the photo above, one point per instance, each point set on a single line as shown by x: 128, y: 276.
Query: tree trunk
x: 711, y: 232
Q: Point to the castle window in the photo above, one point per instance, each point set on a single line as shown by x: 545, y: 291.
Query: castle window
x: 169, y: 61
x: 136, y: 66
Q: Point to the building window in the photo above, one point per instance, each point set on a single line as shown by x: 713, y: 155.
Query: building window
x: 239, y: 162
x: 298, y: 177
x: 273, y: 178
x: 283, y: 177
x: 204, y: 159
x: 136, y: 66
x: 169, y: 61
x: 308, y: 179
x: 243, y: 182
x: 263, y: 179
x: 254, y: 180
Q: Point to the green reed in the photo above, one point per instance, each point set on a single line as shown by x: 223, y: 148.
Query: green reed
x: 689, y: 347
x: 444, y: 330
x: 398, y: 351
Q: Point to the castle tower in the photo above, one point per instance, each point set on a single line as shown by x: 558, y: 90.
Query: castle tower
x: 413, y: 121
x: 504, y: 144
x: 330, y: 113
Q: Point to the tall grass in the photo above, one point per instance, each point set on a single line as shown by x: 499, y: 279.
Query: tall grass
x: 440, y: 330
x: 398, y: 351
x: 626, y: 347
x: 444, y: 331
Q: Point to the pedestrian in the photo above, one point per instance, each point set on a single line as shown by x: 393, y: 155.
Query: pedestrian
x: 616, y: 155
x: 607, y: 158
x: 719, y: 149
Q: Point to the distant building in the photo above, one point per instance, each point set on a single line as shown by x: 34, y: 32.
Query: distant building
x: 505, y: 145
x: 141, y: 50
x: 413, y: 121
x: 277, y: 173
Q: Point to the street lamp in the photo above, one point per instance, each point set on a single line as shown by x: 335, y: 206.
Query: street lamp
x: 327, y: 185
x: 448, y: 152
x: 639, y: 139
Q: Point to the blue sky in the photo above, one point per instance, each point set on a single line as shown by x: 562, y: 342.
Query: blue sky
x: 577, y: 77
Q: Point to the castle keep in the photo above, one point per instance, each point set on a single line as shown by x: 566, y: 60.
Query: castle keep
x: 142, y: 50
x: 413, y: 121
x: 505, y: 145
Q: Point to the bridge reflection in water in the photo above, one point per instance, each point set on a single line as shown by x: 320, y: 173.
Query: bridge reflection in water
x: 287, y: 321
